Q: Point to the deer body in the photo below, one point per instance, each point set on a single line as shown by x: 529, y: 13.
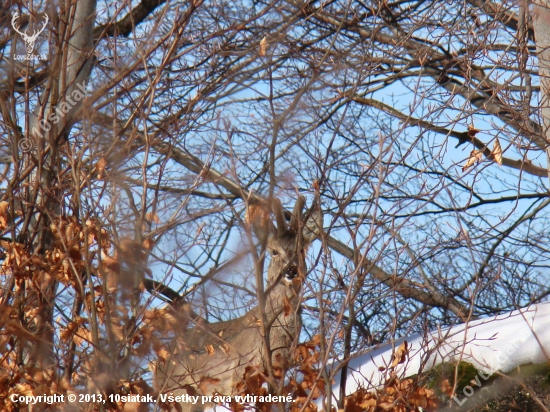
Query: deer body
x: 216, y: 356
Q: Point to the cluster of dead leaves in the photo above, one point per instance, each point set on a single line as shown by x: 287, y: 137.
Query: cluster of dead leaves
x: 254, y: 382
x: 120, y: 267
x: 155, y: 323
x: 311, y: 385
x: 73, y: 243
x: 22, y: 380
x: 396, y: 395
x: 76, y: 331
x: 65, y: 258
x: 145, y: 340
x: 306, y: 356
x: 17, y: 378
x: 138, y: 387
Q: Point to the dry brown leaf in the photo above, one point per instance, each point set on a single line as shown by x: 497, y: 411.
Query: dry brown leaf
x: 387, y: 406
x: 152, y: 217
x: 210, y: 349
x: 400, y: 355
x: 225, y: 348
x: 475, y: 156
x: 75, y: 253
x: 4, y: 215
x: 286, y: 306
x: 162, y: 354
x: 368, y: 403
x: 110, y: 263
x: 258, y: 216
x: 66, y: 333
x: 82, y: 335
x: 391, y: 391
x: 315, y: 340
x: 315, y: 186
x: 405, y: 385
x: 497, y: 152
x: 101, y: 167
x: 24, y: 389
x: 148, y: 244
x: 418, y: 398
x: 263, y: 46
x: 472, y: 131
x: 205, y: 381
x: 446, y: 387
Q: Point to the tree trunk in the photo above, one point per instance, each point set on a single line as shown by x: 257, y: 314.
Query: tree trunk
x: 541, y: 25
x: 75, y: 63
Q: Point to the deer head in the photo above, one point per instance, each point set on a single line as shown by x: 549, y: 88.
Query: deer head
x: 286, y: 243
x: 29, y: 40
x: 221, y: 353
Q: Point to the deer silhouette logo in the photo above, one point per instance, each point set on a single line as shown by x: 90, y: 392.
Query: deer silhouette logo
x: 29, y: 40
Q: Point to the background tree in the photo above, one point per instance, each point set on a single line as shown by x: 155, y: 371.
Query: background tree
x: 421, y: 126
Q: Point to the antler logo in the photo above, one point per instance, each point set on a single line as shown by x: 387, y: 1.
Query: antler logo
x: 29, y: 40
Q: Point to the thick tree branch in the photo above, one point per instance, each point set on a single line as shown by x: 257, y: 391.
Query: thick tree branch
x: 463, y: 137
x: 155, y: 287
x: 506, y: 17
x: 430, y: 59
x: 126, y: 26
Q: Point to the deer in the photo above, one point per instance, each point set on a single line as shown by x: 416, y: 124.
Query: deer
x: 29, y: 40
x: 215, y: 357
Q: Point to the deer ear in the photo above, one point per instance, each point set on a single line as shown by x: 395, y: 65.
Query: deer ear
x: 313, y: 226
x: 278, y: 210
x: 296, y: 218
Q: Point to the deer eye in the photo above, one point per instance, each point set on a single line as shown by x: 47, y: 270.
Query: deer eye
x: 275, y: 253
